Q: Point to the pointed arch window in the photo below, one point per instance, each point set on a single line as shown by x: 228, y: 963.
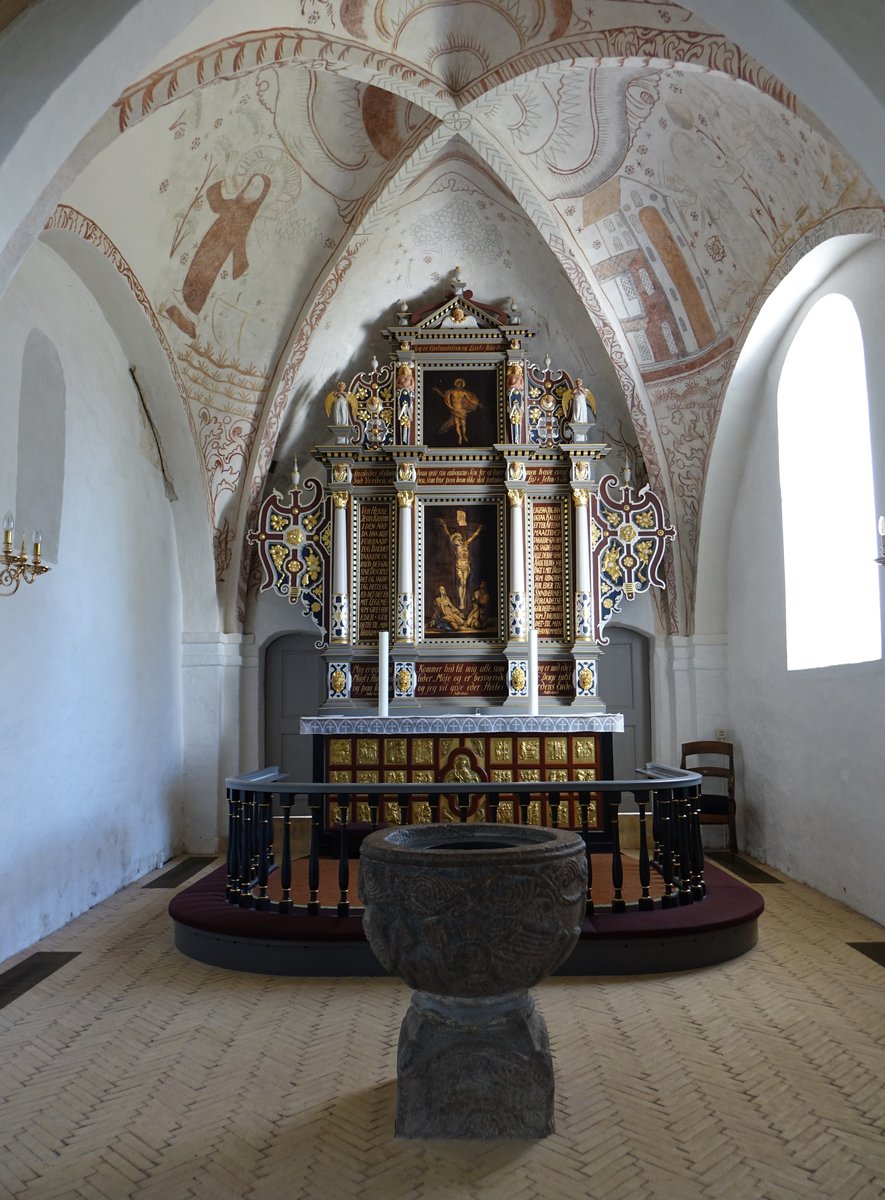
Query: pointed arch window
x: 827, y: 497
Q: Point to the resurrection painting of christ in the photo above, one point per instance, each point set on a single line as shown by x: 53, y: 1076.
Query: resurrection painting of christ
x: 460, y: 407
x: 460, y: 570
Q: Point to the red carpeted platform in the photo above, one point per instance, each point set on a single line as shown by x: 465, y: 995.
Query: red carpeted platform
x: 721, y: 926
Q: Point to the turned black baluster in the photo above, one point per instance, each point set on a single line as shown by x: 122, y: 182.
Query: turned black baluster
x: 404, y: 803
x: 493, y: 799
x: 343, y: 860
x: 646, y: 904
x: 584, y: 805
x: 554, y: 801
x: 656, y: 831
x: 285, y: 904
x: 463, y: 806
x: 696, y: 846
x: 618, y: 903
x: 681, y: 806
x: 664, y: 806
x: 435, y: 806
x: 374, y: 801
x: 234, y: 816
x: 313, y: 865
x: 524, y: 799
x: 264, y: 827
x: 247, y: 841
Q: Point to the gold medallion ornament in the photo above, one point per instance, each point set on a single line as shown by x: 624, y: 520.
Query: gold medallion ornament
x: 403, y: 680
x: 585, y: 679
x: 338, y: 680
x: 517, y: 679
x: 339, y: 473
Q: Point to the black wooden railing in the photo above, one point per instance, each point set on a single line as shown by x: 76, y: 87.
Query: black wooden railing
x: 674, y: 848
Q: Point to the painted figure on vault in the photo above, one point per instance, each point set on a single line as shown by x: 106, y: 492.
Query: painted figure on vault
x: 224, y: 238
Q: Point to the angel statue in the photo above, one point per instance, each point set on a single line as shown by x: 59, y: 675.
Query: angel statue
x: 341, y: 405
x: 581, y: 409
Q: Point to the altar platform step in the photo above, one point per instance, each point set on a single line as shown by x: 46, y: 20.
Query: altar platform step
x: 721, y: 926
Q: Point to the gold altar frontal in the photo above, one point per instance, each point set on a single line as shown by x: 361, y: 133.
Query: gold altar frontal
x: 548, y: 759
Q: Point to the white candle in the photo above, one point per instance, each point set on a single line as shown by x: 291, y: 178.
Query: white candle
x: 383, y: 640
x: 533, y: 672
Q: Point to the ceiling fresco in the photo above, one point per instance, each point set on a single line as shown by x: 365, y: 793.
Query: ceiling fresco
x: 626, y: 174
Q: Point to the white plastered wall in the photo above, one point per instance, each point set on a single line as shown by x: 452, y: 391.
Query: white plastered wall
x: 91, y: 720
x: 813, y: 753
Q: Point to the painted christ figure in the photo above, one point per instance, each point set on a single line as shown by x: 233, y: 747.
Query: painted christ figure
x: 459, y: 544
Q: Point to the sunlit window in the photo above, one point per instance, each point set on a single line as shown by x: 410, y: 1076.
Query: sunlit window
x: 827, y: 500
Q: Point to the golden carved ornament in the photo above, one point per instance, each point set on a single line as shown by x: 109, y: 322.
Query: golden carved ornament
x: 295, y: 537
x: 515, y: 496
x: 585, y: 679
x: 338, y: 680
x: 627, y: 533
x: 516, y: 470
x: 581, y: 470
x: 405, y: 472
x: 339, y: 473
x: 340, y: 499
x: 517, y: 679
x: 581, y: 497
x: 405, y: 499
x: 403, y: 679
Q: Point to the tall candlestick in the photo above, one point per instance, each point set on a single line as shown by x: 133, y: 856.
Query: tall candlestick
x: 383, y: 640
x: 533, y: 672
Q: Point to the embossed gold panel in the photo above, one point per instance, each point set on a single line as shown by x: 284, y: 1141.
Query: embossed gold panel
x: 395, y: 777
x: 527, y: 775
x: 502, y: 775
x: 529, y: 750
x: 585, y: 774
x: 395, y: 751
x: 422, y: 752
x: 421, y: 814
x: 585, y: 750
x: 339, y: 751
x: 367, y: 751
x: 556, y: 750
x: 423, y: 777
x: 340, y: 776
x: 367, y: 777
x: 505, y: 812
x: 555, y: 776
x: 502, y: 749
x: 534, y: 813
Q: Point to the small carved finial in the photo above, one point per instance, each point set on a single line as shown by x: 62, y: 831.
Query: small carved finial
x: 296, y: 474
x: 374, y: 364
x: 547, y: 362
x: 627, y: 472
x: 514, y: 311
x: 457, y: 282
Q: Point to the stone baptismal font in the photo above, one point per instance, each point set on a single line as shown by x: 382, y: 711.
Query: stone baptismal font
x: 471, y: 917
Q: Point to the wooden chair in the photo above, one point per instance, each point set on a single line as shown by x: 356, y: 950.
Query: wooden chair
x: 716, y: 807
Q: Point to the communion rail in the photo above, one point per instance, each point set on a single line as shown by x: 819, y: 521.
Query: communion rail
x: 671, y: 794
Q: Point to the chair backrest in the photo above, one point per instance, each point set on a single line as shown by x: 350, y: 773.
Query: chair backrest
x: 709, y: 749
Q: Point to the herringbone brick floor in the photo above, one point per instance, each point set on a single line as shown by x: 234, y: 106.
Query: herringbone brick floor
x: 133, y: 1071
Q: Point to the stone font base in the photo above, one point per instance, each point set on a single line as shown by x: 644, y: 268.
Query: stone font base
x: 477, y: 1068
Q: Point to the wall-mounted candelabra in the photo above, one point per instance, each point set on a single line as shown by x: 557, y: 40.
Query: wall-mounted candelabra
x: 15, y: 567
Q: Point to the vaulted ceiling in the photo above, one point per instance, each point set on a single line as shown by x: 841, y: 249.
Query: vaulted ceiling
x: 634, y: 181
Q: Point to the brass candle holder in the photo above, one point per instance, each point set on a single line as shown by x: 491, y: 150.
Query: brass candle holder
x: 15, y: 567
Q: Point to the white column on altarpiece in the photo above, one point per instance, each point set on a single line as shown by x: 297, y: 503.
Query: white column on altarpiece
x: 340, y: 599
x: 583, y: 578
x: 517, y: 607
x: 405, y: 575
